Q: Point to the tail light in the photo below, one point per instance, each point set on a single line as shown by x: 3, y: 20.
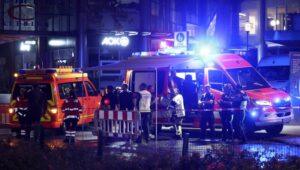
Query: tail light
x: 53, y: 110
x: 11, y: 110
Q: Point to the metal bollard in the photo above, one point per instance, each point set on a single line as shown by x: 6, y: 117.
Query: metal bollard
x: 185, y: 144
x: 100, y: 144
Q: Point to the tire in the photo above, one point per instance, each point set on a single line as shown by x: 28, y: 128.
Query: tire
x: 274, y: 130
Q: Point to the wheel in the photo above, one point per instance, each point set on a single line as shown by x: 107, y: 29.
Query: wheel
x: 274, y: 130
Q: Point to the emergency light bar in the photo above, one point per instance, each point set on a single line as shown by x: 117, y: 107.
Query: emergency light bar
x: 64, y: 69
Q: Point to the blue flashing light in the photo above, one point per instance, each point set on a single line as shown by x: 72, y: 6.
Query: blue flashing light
x: 205, y: 51
x: 253, y: 114
x: 277, y: 100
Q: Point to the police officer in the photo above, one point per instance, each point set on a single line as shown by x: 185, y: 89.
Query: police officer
x: 207, y: 115
x: 178, y: 112
x: 239, y: 103
x: 71, y: 108
x: 22, y: 112
x: 226, y: 114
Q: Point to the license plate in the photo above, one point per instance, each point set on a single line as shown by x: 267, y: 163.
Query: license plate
x: 286, y: 120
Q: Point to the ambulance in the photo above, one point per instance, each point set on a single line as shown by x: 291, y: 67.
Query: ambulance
x: 55, y: 83
x: 268, y: 108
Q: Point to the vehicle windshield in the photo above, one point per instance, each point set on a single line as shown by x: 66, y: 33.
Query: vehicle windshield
x: 248, y: 78
x: 44, y: 86
x: 275, y: 73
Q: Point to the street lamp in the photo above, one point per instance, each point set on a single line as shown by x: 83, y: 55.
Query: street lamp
x: 247, y: 29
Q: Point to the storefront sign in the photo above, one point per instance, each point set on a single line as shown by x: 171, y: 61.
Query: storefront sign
x: 115, y: 41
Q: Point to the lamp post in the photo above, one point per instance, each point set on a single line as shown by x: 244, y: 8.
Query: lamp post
x: 247, y: 29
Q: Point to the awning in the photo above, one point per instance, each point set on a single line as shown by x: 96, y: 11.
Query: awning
x: 144, y: 63
x: 275, y: 61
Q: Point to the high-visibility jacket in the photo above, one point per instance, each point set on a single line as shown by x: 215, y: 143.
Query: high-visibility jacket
x: 72, y: 108
x: 21, y: 107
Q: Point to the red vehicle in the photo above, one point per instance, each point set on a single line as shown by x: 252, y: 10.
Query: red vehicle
x: 56, y: 82
x: 269, y: 108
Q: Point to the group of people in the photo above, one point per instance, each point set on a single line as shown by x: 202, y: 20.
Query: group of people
x: 32, y: 105
x: 233, y: 104
x: 124, y: 99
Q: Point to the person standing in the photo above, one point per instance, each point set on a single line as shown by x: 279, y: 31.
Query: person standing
x: 109, y: 100
x: 178, y: 112
x: 239, y: 103
x: 189, y: 93
x: 37, y: 106
x: 226, y: 114
x: 22, y: 111
x: 207, y: 115
x: 143, y: 103
x: 125, y: 98
x: 71, y: 108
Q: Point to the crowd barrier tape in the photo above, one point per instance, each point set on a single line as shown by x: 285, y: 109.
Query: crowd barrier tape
x: 118, y: 124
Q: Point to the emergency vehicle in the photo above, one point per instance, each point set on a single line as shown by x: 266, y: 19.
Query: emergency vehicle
x: 55, y: 83
x: 268, y: 108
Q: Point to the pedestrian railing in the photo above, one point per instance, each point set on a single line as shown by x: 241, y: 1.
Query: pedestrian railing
x: 117, y: 124
x: 4, y: 115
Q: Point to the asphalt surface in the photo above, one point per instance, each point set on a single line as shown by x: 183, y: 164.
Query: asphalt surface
x: 286, y: 144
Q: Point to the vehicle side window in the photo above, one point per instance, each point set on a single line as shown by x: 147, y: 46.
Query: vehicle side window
x: 90, y: 90
x: 217, y: 79
x: 76, y: 86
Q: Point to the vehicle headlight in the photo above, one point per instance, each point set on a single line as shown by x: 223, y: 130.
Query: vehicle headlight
x: 287, y: 98
x: 263, y: 102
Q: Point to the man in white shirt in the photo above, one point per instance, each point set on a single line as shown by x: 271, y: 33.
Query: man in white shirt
x: 143, y: 103
x: 178, y: 111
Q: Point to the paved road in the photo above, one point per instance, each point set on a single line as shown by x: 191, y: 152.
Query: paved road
x: 288, y: 143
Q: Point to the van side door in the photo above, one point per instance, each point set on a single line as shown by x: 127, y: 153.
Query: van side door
x: 93, y: 98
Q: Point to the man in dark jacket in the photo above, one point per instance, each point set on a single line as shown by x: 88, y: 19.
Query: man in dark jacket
x: 226, y: 113
x: 125, y: 98
x: 240, y: 102
x: 207, y: 115
x: 37, y: 105
x: 109, y: 100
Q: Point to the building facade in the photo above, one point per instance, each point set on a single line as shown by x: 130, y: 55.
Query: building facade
x: 85, y: 33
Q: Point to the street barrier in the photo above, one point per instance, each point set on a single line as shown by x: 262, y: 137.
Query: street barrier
x: 4, y: 115
x: 118, y: 124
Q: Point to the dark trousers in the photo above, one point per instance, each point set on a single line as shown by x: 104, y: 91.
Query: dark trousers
x: 238, y: 124
x: 226, y: 117
x: 70, y: 133
x: 207, y: 118
x: 71, y: 124
x: 145, y: 116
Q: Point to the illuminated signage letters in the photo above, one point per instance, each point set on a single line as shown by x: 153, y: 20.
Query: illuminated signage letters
x: 115, y: 41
